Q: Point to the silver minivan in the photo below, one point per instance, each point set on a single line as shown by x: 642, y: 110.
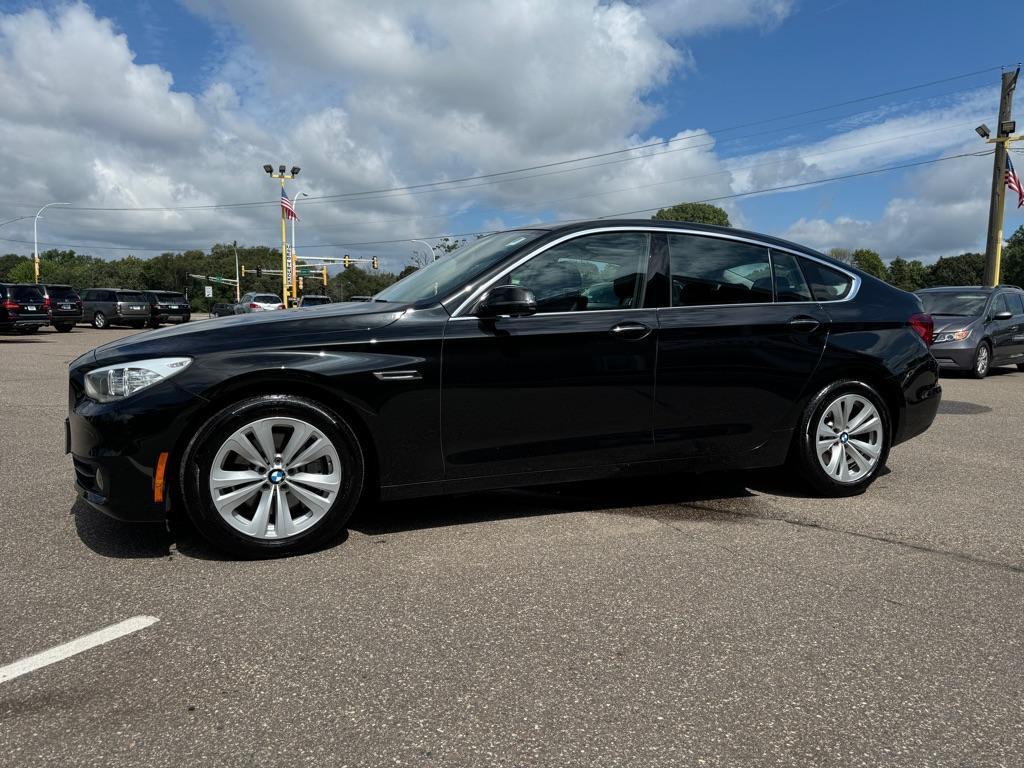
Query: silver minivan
x: 104, y: 307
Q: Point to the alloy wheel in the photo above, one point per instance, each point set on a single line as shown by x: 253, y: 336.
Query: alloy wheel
x: 981, y: 361
x: 849, y: 438
x: 275, y: 477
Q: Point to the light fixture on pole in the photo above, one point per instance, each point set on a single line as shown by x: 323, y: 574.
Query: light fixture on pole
x: 35, y: 237
x: 284, y: 221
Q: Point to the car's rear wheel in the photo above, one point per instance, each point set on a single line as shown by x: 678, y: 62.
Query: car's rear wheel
x: 272, y: 476
x: 64, y: 327
x: 99, y: 320
x: 982, y: 361
x: 844, y: 439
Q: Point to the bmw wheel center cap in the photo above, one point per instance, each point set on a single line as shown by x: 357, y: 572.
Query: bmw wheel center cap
x: 276, y: 476
x: 843, y: 438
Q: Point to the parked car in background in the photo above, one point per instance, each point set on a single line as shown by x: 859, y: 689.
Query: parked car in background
x: 258, y: 302
x: 63, y: 306
x: 168, y: 307
x: 104, y: 307
x: 569, y: 352
x: 309, y: 300
x: 976, y: 328
x: 22, y: 308
x: 222, y: 310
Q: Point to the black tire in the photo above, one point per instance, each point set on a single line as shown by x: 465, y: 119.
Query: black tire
x: 1020, y: 366
x: 805, y: 456
x: 99, y: 320
x: 154, y: 324
x: 139, y: 326
x: 64, y: 327
x: 982, y: 361
x: 201, y: 452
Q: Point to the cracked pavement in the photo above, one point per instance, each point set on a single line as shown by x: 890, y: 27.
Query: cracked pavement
x: 674, y: 621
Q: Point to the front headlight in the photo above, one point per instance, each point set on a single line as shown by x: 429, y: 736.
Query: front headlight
x: 116, y: 382
x: 952, y: 336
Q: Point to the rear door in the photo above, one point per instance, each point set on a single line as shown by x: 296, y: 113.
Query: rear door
x: 732, y: 360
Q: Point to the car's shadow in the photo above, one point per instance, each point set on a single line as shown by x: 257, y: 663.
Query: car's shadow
x: 675, y: 498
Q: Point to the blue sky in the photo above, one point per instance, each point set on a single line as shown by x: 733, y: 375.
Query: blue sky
x: 172, y: 105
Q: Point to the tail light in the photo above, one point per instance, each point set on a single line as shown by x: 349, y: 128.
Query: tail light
x: 11, y: 306
x: 47, y: 304
x: 280, y: 306
x: 923, y: 326
x: 255, y: 306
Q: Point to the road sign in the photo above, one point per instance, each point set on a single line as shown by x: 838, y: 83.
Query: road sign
x: 209, y: 291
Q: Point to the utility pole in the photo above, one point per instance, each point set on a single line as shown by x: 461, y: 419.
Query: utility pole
x: 238, y: 283
x: 994, y: 244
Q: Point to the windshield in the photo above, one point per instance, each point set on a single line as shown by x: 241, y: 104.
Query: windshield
x: 266, y: 298
x: 26, y: 293
x: 170, y: 296
x: 61, y: 292
x: 311, y: 300
x: 965, y: 304
x: 129, y: 296
x: 448, y: 273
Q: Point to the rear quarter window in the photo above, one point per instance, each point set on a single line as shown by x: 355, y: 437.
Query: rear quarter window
x: 826, y: 283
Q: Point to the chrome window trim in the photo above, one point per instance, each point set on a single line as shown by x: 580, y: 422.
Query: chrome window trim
x: 477, y: 292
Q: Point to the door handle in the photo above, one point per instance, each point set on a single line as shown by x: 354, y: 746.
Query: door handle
x: 631, y: 331
x: 804, y: 323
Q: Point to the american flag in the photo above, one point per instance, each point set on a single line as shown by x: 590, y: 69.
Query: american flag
x: 289, y: 209
x: 1013, y: 182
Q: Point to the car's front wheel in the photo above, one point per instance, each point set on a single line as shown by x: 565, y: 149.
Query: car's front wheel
x: 272, y: 476
x: 982, y: 361
x: 844, y: 439
x: 99, y: 320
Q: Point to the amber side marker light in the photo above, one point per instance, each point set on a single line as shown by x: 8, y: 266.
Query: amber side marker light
x: 158, y: 477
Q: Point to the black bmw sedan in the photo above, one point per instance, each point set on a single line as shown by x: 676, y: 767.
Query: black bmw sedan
x: 531, y: 356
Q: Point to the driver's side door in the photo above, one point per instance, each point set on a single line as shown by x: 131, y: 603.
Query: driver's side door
x: 568, y: 387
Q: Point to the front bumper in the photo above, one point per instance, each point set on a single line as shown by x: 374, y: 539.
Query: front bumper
x: 115, y: 448
x: 955, y: 356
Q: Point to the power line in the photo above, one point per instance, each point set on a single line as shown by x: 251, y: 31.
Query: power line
x: 447, y: 184
x: 763, y: 190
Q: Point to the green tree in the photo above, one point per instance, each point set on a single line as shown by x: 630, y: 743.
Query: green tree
x: 353, y: 281
x: 1012, y: 267
x: 698, y: 213
x: 7, y: 262
x: 870, y: 262
x: 965, y: 269
x: 908, y: 275
x: 845, y: 255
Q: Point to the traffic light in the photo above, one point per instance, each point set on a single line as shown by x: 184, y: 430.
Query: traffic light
x: 346, y: 261
x: 259, y: 271
x: 323, y: 275
x: 375, y: 263
x: 300, y: 284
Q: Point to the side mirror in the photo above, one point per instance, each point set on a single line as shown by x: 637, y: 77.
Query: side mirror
x: 1004, y: 315
x: 511, y: 300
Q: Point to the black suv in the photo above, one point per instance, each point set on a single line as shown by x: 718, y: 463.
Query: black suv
x: 168, y: 307
x: 976, y: 328
x: 63, y: 306
x: 22, y: 308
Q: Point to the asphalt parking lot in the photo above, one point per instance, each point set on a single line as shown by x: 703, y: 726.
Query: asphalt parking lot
x: 719, y: 621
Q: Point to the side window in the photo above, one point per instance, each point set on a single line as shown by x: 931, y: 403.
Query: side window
x: 1017, y: 303
x: 589, y: 273
x: 709, y: 270
x: 790, y: 284
x: 999, y: 304
x: 826, y: 284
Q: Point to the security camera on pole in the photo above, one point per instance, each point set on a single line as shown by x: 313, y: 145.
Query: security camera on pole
x: 287, y: 212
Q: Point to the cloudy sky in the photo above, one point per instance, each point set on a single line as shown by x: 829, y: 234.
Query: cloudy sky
x: 415, y: 120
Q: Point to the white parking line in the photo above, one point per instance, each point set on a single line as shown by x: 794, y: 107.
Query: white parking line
x: 66, y: 650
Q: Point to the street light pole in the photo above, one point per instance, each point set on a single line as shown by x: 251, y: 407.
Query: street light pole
x: 295, y: 205
x: 433, y: 256
x: 35, y: 237
x: 282, y: 175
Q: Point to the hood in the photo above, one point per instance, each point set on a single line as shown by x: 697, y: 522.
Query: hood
x: 282, y: 327
x: 945, y: 323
